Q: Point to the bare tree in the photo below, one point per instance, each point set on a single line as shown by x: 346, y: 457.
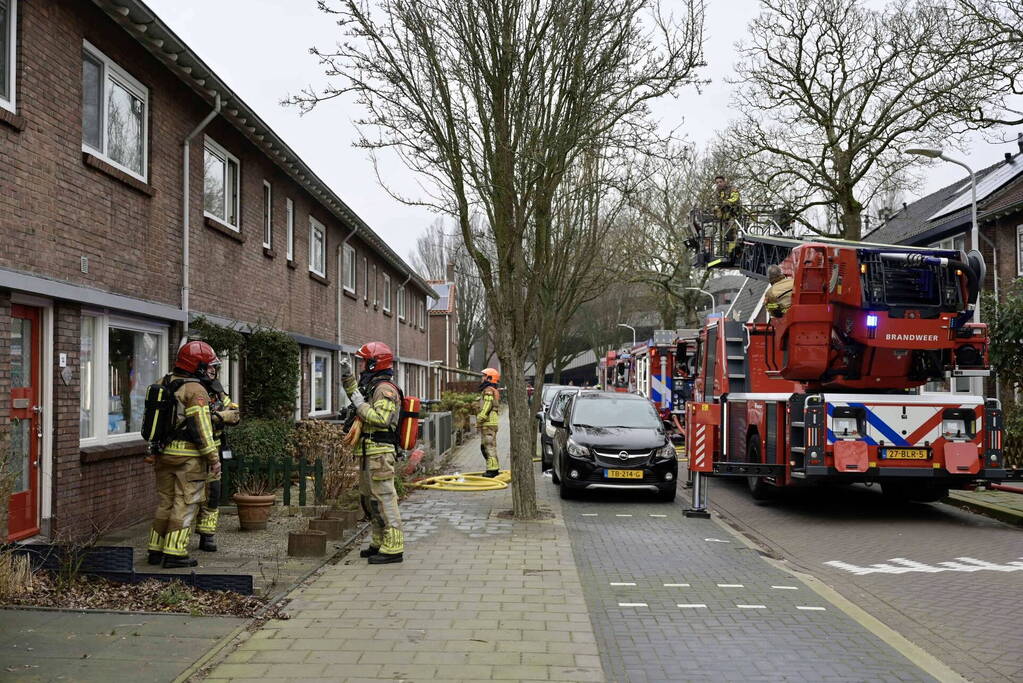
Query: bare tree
x: 1001, y: 24
x: 491, y: 102
x: 832, y: 89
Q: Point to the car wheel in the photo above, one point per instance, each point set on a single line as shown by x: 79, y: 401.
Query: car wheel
x: 554, y: 472
x: 545, y: 461
x: 668, y: 495
x: 568, y: 492
x: 759, y: 489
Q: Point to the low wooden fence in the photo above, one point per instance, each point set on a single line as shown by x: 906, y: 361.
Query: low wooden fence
x: 281, y: 470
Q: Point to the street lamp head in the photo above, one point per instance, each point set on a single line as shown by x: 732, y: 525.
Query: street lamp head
x: 929, y: 152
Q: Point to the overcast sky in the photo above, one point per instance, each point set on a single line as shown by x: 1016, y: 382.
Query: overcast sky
x: 260, y: 48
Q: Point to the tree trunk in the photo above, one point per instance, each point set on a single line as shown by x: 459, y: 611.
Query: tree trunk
x: 513, y: 362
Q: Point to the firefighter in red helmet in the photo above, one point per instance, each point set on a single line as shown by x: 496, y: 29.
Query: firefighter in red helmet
x: 377, y: 403
x: 486, y: 420
x: 186, y: 461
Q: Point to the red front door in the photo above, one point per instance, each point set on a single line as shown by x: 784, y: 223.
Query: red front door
x: 26, y: 425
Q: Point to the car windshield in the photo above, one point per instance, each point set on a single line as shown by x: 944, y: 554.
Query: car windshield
x: 549, y: 390
x: 609, y: 411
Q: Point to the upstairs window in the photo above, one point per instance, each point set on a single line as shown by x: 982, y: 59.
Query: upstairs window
x: 268, y: 237
x: 365, y: 281
x: 289, y: 211
x: 115, y: 114
x: 401, y: 303
x: 8, y: 52
x: 221, y: 173
x: 387, y: 293
x: 349, y: 266
x: 317, y: 247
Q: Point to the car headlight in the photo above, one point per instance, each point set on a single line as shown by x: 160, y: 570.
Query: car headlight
x: 666, y: 452
x: 576, y: 450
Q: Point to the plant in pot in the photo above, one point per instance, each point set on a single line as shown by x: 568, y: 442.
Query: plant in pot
x: 258, y: 444
x: 254, y: 498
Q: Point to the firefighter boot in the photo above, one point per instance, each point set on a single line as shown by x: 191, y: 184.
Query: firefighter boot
x: 391, y: 549
x: 370, y: 551
x: 178, y: 561
x: 208, y: 543
x: 386, y: 558
x: 155, y: 557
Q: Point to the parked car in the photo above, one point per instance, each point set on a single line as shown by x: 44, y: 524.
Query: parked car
x: 543, y: 427
x: 612, y: 441
x: 555, y: 413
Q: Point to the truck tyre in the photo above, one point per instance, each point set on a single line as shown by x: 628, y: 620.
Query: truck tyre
x: 759, y: 489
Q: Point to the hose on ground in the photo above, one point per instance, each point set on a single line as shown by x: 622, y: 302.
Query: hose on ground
x: 469, y: 481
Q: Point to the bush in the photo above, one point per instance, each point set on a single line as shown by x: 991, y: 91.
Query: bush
x: 261, y: 440
x: 271, y: 374
x: 224, y: 340
x: 1013, y: 437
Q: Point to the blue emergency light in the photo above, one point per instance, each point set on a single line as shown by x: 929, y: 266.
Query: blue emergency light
x: 871, y: 321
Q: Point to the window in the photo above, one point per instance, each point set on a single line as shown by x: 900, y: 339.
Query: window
x: 365, y: 282
x: 320, y: 372
x: 422, y: 314
x: 268, y: 237
x: 298, y: 398
x: 119, y: 359
x: 387, y: 293
x: 220, y: 185
x: 289, y: 210
x: 114, y: 114
x: 349, y: 266
x: 1019, y: 249
x: 401, y: 302
x: 317, y: 247
x: 230, y: 376
x: 8, y: 52
x: 376, y: 287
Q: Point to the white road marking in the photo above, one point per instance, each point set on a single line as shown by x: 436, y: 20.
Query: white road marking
x: 622, y: 583
x: 676, y: 585
x: 658, y: 515
x: 589, y: 514
x: 786, y: 588
x: 730, y: 585
x: 716, y: 540
x: 752, y: 606
x: 695, y: 605
x: 810, y: 609
x: 623, y: 515
x: 632, y: 604
x: 900, y: 565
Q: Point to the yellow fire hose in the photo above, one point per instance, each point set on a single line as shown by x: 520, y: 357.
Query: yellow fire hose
x: 469, y: 481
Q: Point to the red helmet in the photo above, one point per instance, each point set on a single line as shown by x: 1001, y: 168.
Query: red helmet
x: 196, y: 357
x: 377, y: 355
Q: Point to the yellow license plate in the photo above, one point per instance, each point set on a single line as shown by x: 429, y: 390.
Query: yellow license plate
x: 905, y: 454
x: 623, y: 474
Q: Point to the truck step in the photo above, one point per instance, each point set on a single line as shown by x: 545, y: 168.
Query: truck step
x: 737, y: 358
x: 797, y: 449
x: 798, y: 424
x: 734, y: 339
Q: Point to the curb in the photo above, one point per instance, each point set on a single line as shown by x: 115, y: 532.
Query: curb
x: 999, y: 512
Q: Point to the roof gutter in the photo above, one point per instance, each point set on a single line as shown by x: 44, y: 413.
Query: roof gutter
x: 185, y: 215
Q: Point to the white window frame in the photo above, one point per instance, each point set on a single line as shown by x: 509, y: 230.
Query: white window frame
x: 102, y: 322
x: 232, y: 371
x: 11, y: 103
x: 422, y: 314
x: 328, y: 378
x: 219, y: 149
x: 1019, y: 250
x: 111, y: 71
x: 289, y: 210
x: 401, y: 302
x: 268, y: 214
x: 387, y: 293
x: 365, y: 281
x: 298, y: 394
x: 316, y: 226
x: 348, y: 261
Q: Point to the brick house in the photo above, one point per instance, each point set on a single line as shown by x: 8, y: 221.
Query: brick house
x: 942, y: 219
x: 97, y: 100
x: 443, y: 314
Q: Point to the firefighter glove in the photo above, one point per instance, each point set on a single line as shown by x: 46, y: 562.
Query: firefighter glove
x: 346, y: 368
x: 357, y: 399
x: 229, y: 417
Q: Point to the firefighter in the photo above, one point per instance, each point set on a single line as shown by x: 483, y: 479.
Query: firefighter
x: 185, y: 463
x: 486, y: 420
x: 726, y: 211
x: 779, y: 296
x: 220, y: 404
x: 377, y: 403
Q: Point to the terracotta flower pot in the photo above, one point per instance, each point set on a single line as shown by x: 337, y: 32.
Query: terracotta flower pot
x: 253, y: 511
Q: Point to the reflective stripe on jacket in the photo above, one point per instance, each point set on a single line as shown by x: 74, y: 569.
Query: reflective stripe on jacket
x: 193, y: 406
x: 487, y: 417
x: 379, y: 415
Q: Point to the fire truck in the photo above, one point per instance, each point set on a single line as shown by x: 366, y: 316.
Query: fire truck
x: 828, y: 391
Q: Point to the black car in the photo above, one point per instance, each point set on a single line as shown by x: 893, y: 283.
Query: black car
x: 612, y: 441
x: 554, y: 414
x: 543, y: 425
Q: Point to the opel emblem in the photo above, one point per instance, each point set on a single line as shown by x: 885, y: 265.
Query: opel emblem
x: 623, y: 455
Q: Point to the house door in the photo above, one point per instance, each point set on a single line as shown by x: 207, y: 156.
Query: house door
x: 26, y: 423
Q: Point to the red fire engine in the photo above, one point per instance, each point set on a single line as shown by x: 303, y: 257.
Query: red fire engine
x: 827, y: 392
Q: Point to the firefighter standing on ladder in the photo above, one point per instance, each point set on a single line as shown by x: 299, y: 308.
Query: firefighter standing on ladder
x: 726, y: 211
x: 486, y: 420
x: 377, y: 403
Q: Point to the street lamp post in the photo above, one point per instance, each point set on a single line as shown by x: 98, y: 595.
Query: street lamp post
x: 633, y: 331
x: 713, y: 303
x: 936, y: 153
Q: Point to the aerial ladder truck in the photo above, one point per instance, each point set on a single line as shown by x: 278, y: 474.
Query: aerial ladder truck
x: 828, y: 392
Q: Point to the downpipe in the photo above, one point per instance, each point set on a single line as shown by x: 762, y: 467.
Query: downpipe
x: 185, y: 213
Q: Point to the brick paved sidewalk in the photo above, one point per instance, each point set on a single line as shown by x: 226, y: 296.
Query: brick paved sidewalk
x: 1002, y: 505
x: 477, y: 598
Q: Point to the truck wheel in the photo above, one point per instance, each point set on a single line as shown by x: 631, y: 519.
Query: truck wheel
x: 759, y: 489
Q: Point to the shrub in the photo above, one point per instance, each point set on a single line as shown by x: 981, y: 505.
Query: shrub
x: 260, y: 439
x: 1013, y: 441
x: 271, y: 374
x: 224, y: 340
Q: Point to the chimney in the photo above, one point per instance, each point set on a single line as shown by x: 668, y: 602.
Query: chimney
x: 451, y: 272
x: 1008, y: 157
